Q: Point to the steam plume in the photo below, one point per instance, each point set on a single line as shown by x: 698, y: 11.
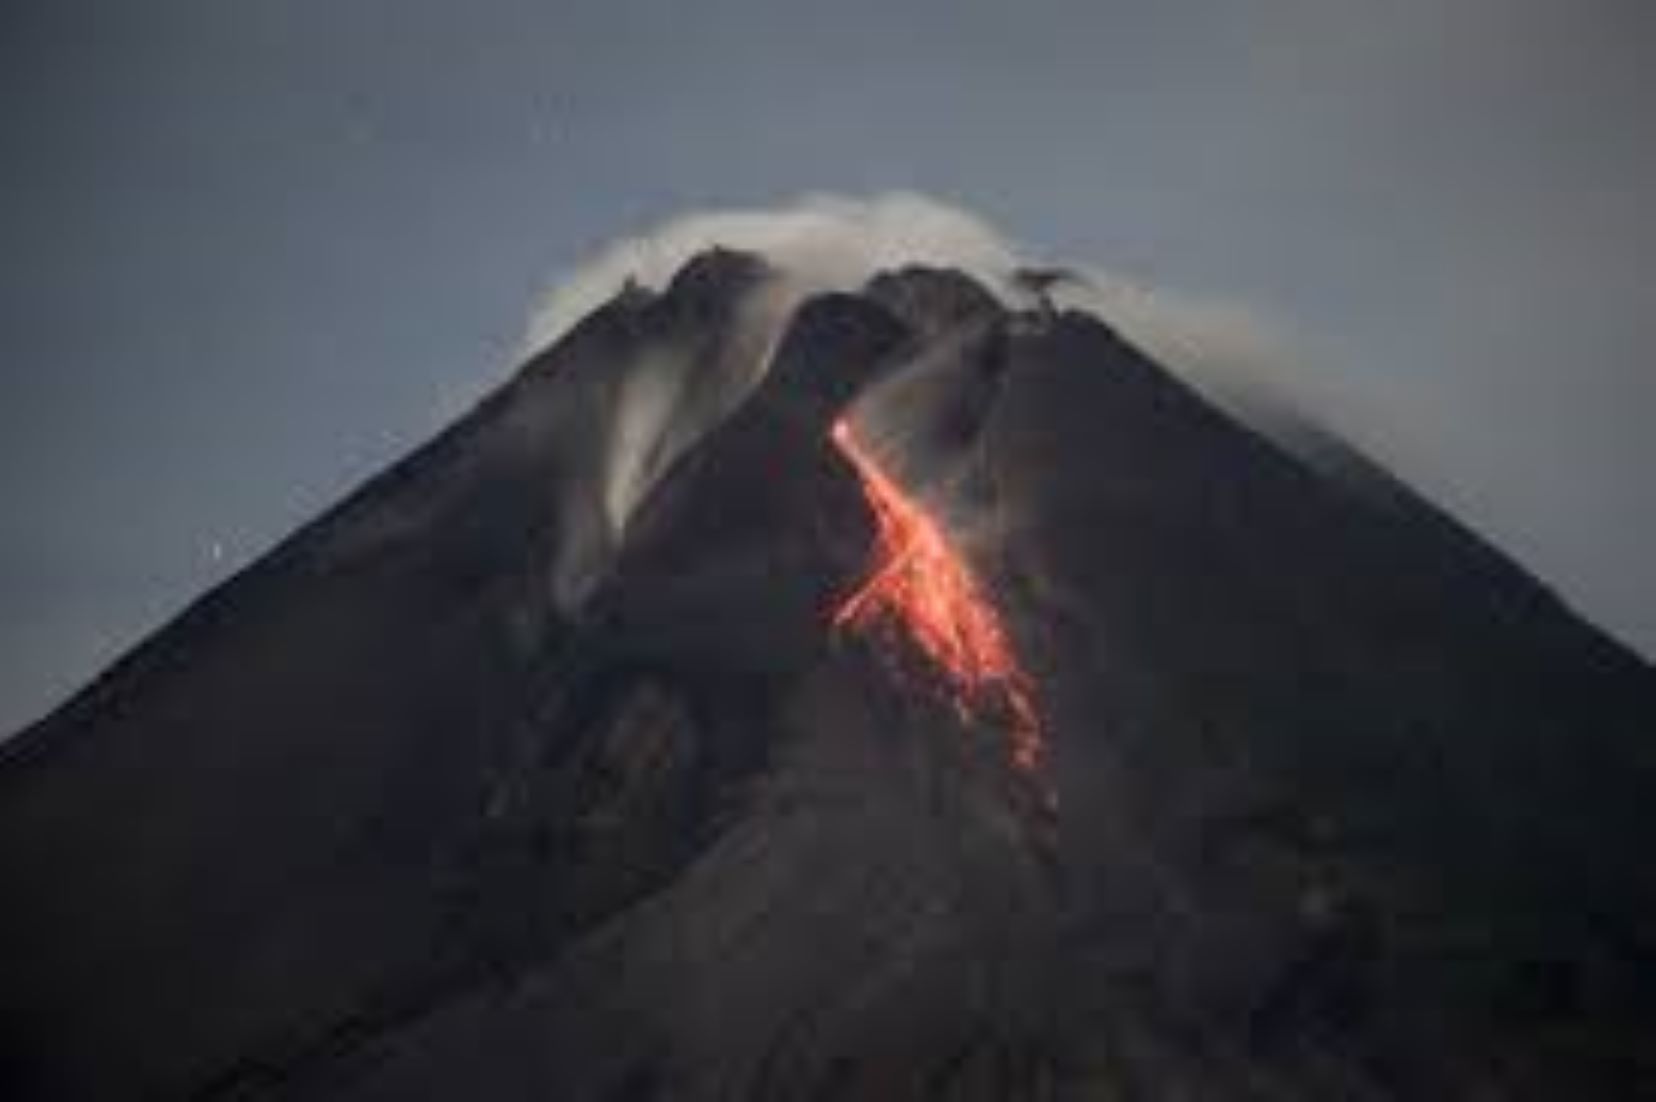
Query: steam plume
x: 828, y: 242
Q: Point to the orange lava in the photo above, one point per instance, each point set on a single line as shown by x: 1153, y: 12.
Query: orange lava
x: 921, y: 584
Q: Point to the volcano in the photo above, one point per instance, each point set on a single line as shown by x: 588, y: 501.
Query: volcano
x: 887, y: 694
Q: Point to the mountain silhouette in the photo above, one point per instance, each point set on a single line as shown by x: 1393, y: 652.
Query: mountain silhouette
x: 540, y: 768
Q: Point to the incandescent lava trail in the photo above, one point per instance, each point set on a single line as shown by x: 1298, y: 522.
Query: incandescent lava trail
x: 920, y: 584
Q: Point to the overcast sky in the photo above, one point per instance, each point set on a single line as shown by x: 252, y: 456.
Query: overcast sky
x: 253, y: 251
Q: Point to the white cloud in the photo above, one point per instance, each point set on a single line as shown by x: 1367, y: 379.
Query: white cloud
x: 826, y: 242
x: 822, y: 241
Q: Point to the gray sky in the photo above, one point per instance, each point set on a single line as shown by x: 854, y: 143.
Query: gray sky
x: 255, y: 251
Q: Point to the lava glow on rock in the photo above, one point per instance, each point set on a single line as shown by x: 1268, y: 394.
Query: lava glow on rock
x: 921, y: 585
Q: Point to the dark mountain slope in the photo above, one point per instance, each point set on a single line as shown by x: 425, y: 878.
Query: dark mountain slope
x: 1337, y: 777
x: 537, y: 769
x: 260, y: 824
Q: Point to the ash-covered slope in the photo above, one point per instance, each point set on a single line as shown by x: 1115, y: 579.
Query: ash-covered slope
x: 538, y: 769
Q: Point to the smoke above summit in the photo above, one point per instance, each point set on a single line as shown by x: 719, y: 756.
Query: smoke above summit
x: 824, y: 242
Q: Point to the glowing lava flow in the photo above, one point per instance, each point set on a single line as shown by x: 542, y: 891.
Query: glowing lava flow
x: 920, y: 583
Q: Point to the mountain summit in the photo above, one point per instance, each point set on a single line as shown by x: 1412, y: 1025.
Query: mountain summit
x: 879, y: 695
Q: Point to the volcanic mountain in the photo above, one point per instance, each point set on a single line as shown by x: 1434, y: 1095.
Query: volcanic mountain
x: 880, y: 695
